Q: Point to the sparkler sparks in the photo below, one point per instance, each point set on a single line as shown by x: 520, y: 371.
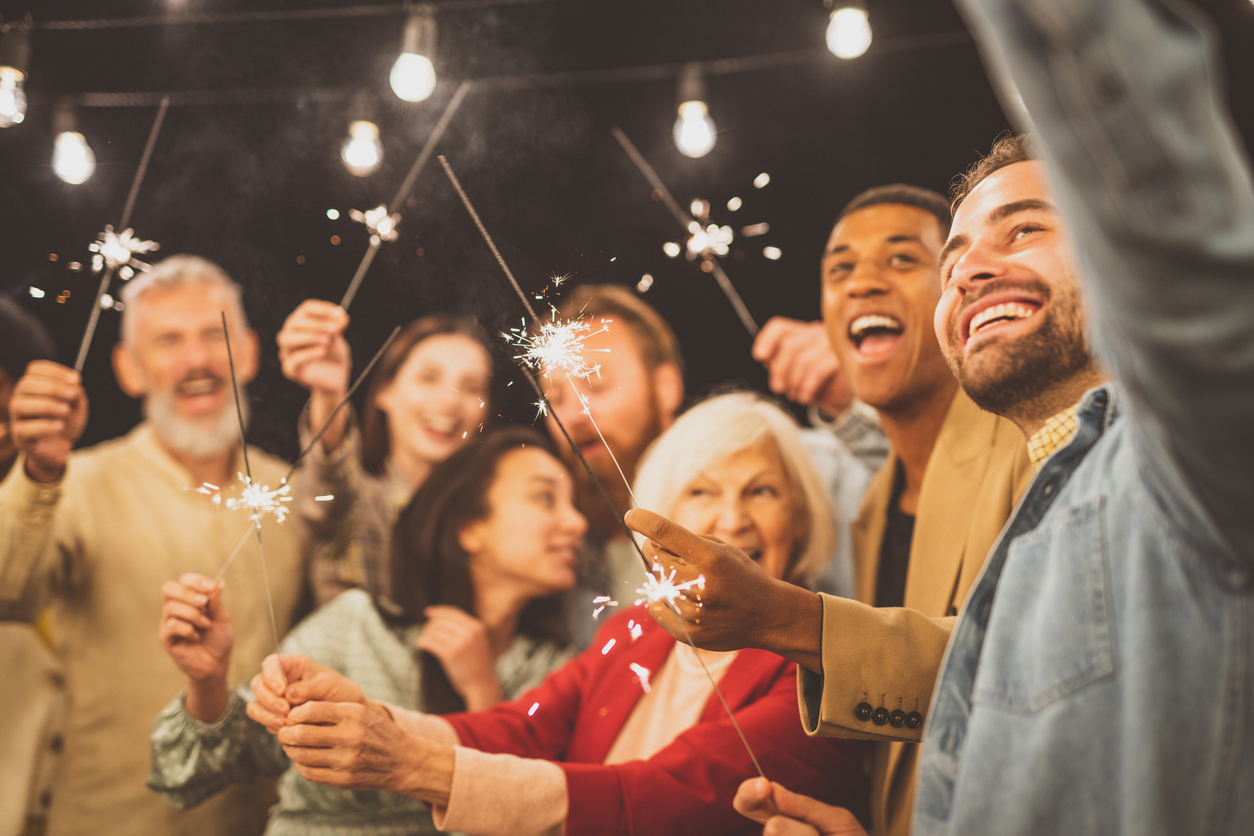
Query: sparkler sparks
x: 603, y: 601
x: 382, y: 226
x: 258, y: 500
x: 658, y: 586
x: 116, y: 252
x: 642, y: 673
x: 558, y: 346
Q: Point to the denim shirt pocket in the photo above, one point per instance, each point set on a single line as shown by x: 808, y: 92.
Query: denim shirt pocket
x: 1050, y: 630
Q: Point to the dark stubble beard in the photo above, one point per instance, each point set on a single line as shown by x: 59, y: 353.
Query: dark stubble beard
x: 1011, y: 379
x: 604, y: 524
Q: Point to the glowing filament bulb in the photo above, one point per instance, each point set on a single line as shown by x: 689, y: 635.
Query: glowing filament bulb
x: 73, y: 160
x: 412, y: 77
x: 362, y: 151
x: 848, y: 32
x: 12, y: 96
x: 694, y: 129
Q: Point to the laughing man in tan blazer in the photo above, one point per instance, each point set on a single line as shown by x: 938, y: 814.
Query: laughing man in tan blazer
x: 933, y: 510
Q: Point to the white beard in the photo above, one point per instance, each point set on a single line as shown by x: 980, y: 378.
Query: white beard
x: 199, y: 440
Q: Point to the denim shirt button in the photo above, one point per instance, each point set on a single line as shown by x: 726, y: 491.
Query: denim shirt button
x: 986, y: 610
x: 880, y: 716
x: 913, y: 720
x: 863, y: 711
x: 897, y: 719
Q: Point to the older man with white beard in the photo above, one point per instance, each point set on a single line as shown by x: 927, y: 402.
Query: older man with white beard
x: 96, y: 533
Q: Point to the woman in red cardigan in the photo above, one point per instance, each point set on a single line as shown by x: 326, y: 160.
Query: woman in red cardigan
x: 627, y: 738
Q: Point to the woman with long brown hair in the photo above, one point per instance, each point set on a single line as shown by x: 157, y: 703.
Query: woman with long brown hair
x: 428, y: 395
x: 489, y: 541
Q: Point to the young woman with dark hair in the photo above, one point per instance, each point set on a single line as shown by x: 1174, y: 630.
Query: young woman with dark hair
x: 428, y: 395
x: 480, y: 557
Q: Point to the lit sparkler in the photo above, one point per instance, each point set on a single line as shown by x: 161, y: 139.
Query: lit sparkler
x: 116, y: 252
x: 602, y: 601
x: 382, y: 226
x: 557, y: 346
x: 658, y: 586
x: 642, y: 673
x: 257, y: 500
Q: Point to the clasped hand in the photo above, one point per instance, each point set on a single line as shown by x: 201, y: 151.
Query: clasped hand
x: 335, y: 736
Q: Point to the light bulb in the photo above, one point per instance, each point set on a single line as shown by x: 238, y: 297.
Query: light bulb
x: 362, y: 152
x: 694, y: 130
x: 412, y: 77
x: 12, y: 96
x: 849, y: 32
x: 72, y: 158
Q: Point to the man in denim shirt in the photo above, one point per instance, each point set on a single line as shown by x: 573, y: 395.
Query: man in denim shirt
x: 1100, y: 678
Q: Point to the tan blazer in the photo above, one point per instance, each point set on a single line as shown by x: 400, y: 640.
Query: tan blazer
x: 890, y: 657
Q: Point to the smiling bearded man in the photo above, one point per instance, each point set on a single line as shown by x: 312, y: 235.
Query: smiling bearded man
x: 94, y: 533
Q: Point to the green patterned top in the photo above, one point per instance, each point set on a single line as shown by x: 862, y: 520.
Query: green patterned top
x: 192, y: 761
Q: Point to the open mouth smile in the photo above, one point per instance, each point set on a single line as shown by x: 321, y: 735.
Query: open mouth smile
x: 997, y: 311
x: 874, y: 336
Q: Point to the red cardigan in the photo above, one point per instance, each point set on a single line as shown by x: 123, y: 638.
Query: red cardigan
x: 687, y: 787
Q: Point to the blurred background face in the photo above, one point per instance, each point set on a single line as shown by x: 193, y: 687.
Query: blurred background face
x: 748, y: 501
x: 880, y: 288
x: 1011, y: 319
x: 178, y: 352
x: 532, y: 534
x: 623, y: 400
x: 438, y: 396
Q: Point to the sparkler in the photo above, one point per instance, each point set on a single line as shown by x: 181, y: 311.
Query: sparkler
x: 708, y: 241
x: 670, y: 602
x: 116, y: 252
x: 381, y: 229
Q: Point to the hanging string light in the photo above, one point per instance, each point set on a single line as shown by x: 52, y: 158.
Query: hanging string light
x: 413, y: 74
x: 14, y: 59
x: 849, y: 31
x: 72, y: 158
x: 694, y: 129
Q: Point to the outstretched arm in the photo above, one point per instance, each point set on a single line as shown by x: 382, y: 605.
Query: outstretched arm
x: 1129, y: 118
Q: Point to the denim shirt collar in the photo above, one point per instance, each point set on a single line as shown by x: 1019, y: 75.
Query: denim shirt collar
x: 951, y: 702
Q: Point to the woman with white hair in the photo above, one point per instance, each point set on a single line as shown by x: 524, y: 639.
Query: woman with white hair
x: 629, y: 736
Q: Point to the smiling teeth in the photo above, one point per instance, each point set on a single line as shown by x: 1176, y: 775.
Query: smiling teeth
x: 1006, y: 310
x: 865, y: 323
x: 442, y: 425
x: 202, y: 386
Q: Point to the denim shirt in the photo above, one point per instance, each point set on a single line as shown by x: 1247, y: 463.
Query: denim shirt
x: 1100, y: 678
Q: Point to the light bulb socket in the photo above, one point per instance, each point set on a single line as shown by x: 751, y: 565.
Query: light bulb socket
x: 837, y: 5
x: 419, y: 35
x: 691, y: 85
x: 361, y: 107
x: 15, y: 45
x: 63, y: 118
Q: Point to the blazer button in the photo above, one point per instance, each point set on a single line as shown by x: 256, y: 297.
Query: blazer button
x: 897, y: 719
x: 863, y: 711
x: 880, y: 716
x: 913, y: 720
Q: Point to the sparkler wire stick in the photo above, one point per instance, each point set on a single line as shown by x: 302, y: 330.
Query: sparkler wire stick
x: 631, y: 537
x: 685, y: 220
x: 107, y: 275
x: 239, y: 413
x: 347, y: 395
x: 406, y: 185
x: 238, y: 547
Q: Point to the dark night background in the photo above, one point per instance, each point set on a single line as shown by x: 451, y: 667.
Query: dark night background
x: 248, y: 185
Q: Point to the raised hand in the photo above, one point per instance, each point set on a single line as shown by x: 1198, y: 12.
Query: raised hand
x: 196, y: 631
x: 47, y: 414
x: 786, y: 813
x: 314, y: 353
x: 801, y: 364
x: 740, y: 604
x: 460, y: 642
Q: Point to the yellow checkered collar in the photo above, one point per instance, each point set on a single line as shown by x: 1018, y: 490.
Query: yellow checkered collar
x: 1056, y: 432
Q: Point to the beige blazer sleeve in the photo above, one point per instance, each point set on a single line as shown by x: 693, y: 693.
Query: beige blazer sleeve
x: 883, y: 657
x: 27, y: 570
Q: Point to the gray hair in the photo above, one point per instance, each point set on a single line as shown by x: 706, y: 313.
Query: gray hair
x: 173, y: 272
x: 718, y: 428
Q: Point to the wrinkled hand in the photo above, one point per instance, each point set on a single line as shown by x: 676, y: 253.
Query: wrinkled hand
x: 195, y: 628
x: 291, y: 679
x: 460, y: 642
x: 740, y: 605
x: 347, y: 745
x: 801, y: 364
x: 47, y: 414
x: 786, y: 813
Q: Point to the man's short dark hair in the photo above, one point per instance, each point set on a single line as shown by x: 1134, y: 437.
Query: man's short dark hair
x: 1007, y: 150
x: 22, y: 339
x: 902, y: 194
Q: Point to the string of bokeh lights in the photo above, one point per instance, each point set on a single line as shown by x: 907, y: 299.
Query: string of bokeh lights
x: 412, y: 78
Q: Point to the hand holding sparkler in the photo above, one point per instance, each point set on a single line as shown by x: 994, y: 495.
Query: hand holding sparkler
x: 196, y: 631
x: 291, y: 679
x: 314, y: 354
x: 786, y: 813
x: 47, y: 414
x: 738, y: 604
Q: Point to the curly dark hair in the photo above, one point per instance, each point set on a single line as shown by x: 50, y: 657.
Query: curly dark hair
x: 1008, y: 149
